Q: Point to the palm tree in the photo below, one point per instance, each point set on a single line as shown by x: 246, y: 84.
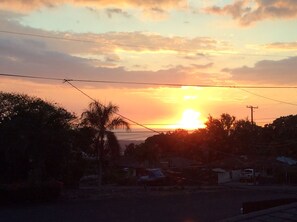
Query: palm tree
x: 102, y: 119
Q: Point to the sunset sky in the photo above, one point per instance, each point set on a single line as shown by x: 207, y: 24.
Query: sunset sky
x: 184, y: 42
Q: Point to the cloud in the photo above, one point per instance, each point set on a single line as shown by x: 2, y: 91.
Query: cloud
x: 111, y: 41
x: 32, y: 58
x: 102, y: 56
x: 28, y: 5
x: 205, y: 66
x: 282, y: 46
x: 138, y: 41
x: 247, y: 12
x: 155, y: 13
x: 116, y: 11
x: 268, y: 71
x: 113, y: 49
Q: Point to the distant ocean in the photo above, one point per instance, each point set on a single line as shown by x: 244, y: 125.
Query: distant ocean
x: 138, y: 134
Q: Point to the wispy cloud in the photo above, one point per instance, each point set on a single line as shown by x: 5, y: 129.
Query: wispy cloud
x: 138, y: 41
x: 204, y: 66
x: 267, y: 71
x: 111, y: 42
x: 113, y: 49
x: 155, y: 13
x: 28, y: 5
x: 33, y: 58
x: 116, y: 11
x: 286, y: 46
x: 247, y: 12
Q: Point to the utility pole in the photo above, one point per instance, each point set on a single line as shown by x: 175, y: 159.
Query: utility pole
x: 253, y: 142
x: 252, y: 112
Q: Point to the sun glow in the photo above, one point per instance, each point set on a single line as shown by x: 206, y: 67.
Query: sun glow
x: 190, y: 120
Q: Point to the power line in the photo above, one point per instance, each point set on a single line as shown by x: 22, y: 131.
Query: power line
x: 242, y: 87
x: 265, y: 97
x: 272, y: 118
x: 178, y: 124
x: 125, y: 45
x: 67, y: 81
x: 139, y: 132
x: 182, y: 85
x: 124, y: 117
x: 46, y: 36
x: 131, y: 131
x: 160, y: 124
x: 30, y: 77
x: 152, y: 83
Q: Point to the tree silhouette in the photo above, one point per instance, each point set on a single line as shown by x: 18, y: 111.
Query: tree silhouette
x: 219, y: 132
x: 102, y: 119
x: 35, y: 138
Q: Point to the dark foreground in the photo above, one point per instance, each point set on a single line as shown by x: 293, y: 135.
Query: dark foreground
x: 184, y: 206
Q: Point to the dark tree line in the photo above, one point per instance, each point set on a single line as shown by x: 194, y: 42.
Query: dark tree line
x: 222, y: 136
x: 41, y: 141
x: 36, y: 140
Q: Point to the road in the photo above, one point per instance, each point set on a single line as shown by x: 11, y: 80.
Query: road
x: 202, y: 206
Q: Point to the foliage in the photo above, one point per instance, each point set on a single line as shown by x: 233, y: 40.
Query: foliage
x: 101, y: 119
x: 39, y: 140
x: 222, y: 137
x: 284, y: 128
x: 219, y: 132
x: 281, y: 136
x: 36, y: 139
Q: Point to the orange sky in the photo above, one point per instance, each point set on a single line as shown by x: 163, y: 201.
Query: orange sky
x: 234, y: 42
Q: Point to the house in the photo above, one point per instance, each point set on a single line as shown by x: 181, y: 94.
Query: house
x: 223, y: 176
x: 230, y: 168
x: 272, y: 169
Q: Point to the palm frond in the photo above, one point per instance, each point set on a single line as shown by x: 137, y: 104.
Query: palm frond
x: 108, y: 112
x: 113, y: 146
x: 93, y: 115
x: 118, y: 122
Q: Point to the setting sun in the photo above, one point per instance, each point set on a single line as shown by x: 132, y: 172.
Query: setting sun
x: 190, y: 120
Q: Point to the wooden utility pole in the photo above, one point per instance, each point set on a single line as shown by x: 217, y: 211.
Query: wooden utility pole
x: 252, y: 112
x: 252, y: 144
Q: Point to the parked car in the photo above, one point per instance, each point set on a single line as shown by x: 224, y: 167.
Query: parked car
x: 152, y: 177
x: 249, y: 175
